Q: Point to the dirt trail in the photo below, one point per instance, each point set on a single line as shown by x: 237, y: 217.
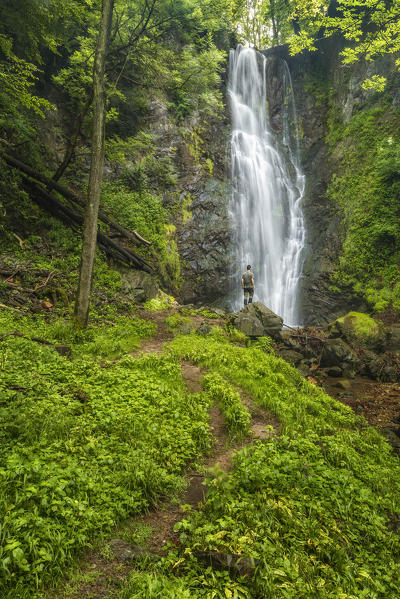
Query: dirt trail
x: 154, y: 344
x: 163, y: 519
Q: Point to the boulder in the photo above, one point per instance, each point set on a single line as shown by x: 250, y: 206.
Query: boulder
x: 344, y: 384
x: 126, y: 553
x: 290, y: 340
x: 334, y: 371
x: 203, y: 329
x: 304, y: 368
x: 359, y: 329
x: 139, y: 285
x: 291, y: 356
x: 271, y: 323
x: 238, y: 564
x: 394, y: 338
x: 381, y: 369
x: 249, y: 325
x: 338, y: 353
x: 391, y: 434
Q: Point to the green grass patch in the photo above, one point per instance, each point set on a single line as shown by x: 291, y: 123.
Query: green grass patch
x: 83, y: 446
x: 317, y: 507
x: 237, y: 416
x: 176, y: 321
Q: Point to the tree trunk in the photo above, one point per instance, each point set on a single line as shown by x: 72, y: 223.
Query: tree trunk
x: 96, y: 169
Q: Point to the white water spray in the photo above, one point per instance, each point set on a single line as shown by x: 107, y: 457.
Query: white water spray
x: 267, y: 188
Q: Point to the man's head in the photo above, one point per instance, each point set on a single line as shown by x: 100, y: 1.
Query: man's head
x: 248, y: 267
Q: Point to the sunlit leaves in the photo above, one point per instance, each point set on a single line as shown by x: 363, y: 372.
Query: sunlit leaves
x: 376, y: 82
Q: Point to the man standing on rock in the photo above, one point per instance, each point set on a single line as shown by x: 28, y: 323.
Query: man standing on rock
x: 248, y: 285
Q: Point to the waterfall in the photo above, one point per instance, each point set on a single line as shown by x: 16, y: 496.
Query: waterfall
x: 267, y: 188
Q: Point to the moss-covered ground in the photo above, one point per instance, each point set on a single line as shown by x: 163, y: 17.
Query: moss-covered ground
x: 88, y: 440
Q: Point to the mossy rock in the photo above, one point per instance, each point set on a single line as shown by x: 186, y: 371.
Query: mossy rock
x: 360, y: 329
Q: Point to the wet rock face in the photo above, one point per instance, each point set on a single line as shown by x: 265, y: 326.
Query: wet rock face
x: 204, y: 244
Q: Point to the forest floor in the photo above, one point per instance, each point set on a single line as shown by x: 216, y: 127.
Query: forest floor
x: 104, y: 569
x: 378, y: 402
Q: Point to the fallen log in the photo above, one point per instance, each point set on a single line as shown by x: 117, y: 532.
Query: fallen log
x: 50, y: 203
x: 51, y: 275
x: 63, y: 350
x: 11, y: 308
x: 12, y: 272
x: 73, y: 197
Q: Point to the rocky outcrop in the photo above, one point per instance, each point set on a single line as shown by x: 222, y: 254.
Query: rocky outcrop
x: 353, y: 345
x: 139, y: 286
x: 361, y: 330
x: 338, y: 353
x: 393, y: 343
x: 256, y: 320
x: 198, y: 202
x: 204, y: 243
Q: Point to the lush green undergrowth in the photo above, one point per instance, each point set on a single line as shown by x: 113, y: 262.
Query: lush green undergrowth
x: 49, y: 247
x: 311, y: 512
x: 366, y: 187
x: 237, y: 416
x: 316, y: 508
x: 84, y: 444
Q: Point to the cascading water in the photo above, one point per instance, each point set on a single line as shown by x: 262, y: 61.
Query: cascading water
x: 267, y: 188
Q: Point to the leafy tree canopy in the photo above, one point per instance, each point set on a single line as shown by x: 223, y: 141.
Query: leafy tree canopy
x: 371, y: 28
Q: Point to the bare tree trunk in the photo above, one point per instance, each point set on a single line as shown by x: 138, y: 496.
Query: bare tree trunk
x: 96, y: 169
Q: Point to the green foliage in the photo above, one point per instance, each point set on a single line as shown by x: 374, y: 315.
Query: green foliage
x: 175, y: 321
x: 30, y: 30
x: 17, y: 76
x: 143, y: 167
x: 365, y: 187
x: 162, y: 302
x: 126, y: 335
x: 205, y: 312
x: 317, y: 506
x: 143, y: 211
x: 236, y: 336
x: 83, y: 445
x: 263, y: 343
x: 237, y: 416
x: 195, y: 83
x: 51, y: 246
x: 371, y: 30
x: 144, y: 585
